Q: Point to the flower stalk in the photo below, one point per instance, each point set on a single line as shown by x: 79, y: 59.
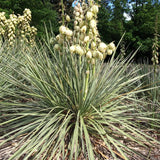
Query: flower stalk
x: 63, y: 18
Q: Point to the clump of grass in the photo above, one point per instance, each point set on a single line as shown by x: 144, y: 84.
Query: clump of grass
x: 57, y: 121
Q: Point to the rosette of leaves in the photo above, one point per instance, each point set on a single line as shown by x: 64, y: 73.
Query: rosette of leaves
x: 57, y: 122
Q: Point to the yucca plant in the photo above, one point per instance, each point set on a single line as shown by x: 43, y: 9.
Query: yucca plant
x: 56, y: 121
x: 8, y: 54
x: 152, y: 83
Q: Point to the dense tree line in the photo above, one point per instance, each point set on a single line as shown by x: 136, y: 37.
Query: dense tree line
x: 139, y: 27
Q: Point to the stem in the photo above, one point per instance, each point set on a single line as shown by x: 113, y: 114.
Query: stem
x: 62, y: 12
x: 86, y: 83
x: 80, y: 60
x: 94, y: 69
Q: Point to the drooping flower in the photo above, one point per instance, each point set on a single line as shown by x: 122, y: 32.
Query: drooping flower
x: 83, y: 29
x: 79, y: 50
x: 109, y: 52
x: 72, y: 49
x: 89, y: 15
x: 93, y: 23
x: 86, y: 39
x: 62, y: 29
x: 89, y: 55
x: 95, y: 9
x: 56, y: 47
x: 68, y: 18
x: 112, y: 46
x: 102, y: 47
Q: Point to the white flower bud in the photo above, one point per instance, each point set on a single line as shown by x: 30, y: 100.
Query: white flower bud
x: 93, y: 45
x: 81, y: 23
x: 86, y: 39
x: 95, y: 31
x: 69, y: 33
x: 81, y: 10
x: 95, y: 9
x: 83, y: 29
x: 77, y: 14
x: 57, y: 37
x: 82, y: 16
x: 100, y: 55
x: 112, y: 46
x: 109, y: 51
x: 62, y: 29
x: 68, y: 18
x: 79, y: 50
x: 75, y: 23
x: 98, y: 40
x: 72, y: 49
x: 57, y: 47
x: 76, y: 8
x: 89, y: 15
x: 89, y: 55
x: 77, y: 28
x: 94, y: 54
x: 93, y: 23
x: 102, y: 47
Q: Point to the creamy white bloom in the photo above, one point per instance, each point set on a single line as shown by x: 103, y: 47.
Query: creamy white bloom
x: 76, y: 8
x: 109, y: 51
x: 93, y: 23
x: 102, y: 47
x: 95, y: 9
x: 86, y: 39
x: 94, y: 54
x: 72, y: 49
x: 62, y: 29
x: 77, y: 28
x: 83, y: 29
x: 77, y: 14
x: 79, y: 50
x: 95, y: 31
x: 100, y: 55
x: 112, y: 46
x: 75, y: 23
x: 56, y: 47
x: 68, y: 18
x: 89, y: 54
x: 89, y: 15
x: 81, y: 23
x: 93, y: 45
x: 69, y: 33
x: 57, y: 37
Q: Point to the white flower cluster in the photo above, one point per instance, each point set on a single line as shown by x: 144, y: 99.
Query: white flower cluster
x: 17, y: 26
x: 84, y: 40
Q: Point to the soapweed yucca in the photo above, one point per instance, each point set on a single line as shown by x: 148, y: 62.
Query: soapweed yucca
x: 56, y: 121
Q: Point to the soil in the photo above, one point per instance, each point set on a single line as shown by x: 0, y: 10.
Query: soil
x: 152, y: 153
